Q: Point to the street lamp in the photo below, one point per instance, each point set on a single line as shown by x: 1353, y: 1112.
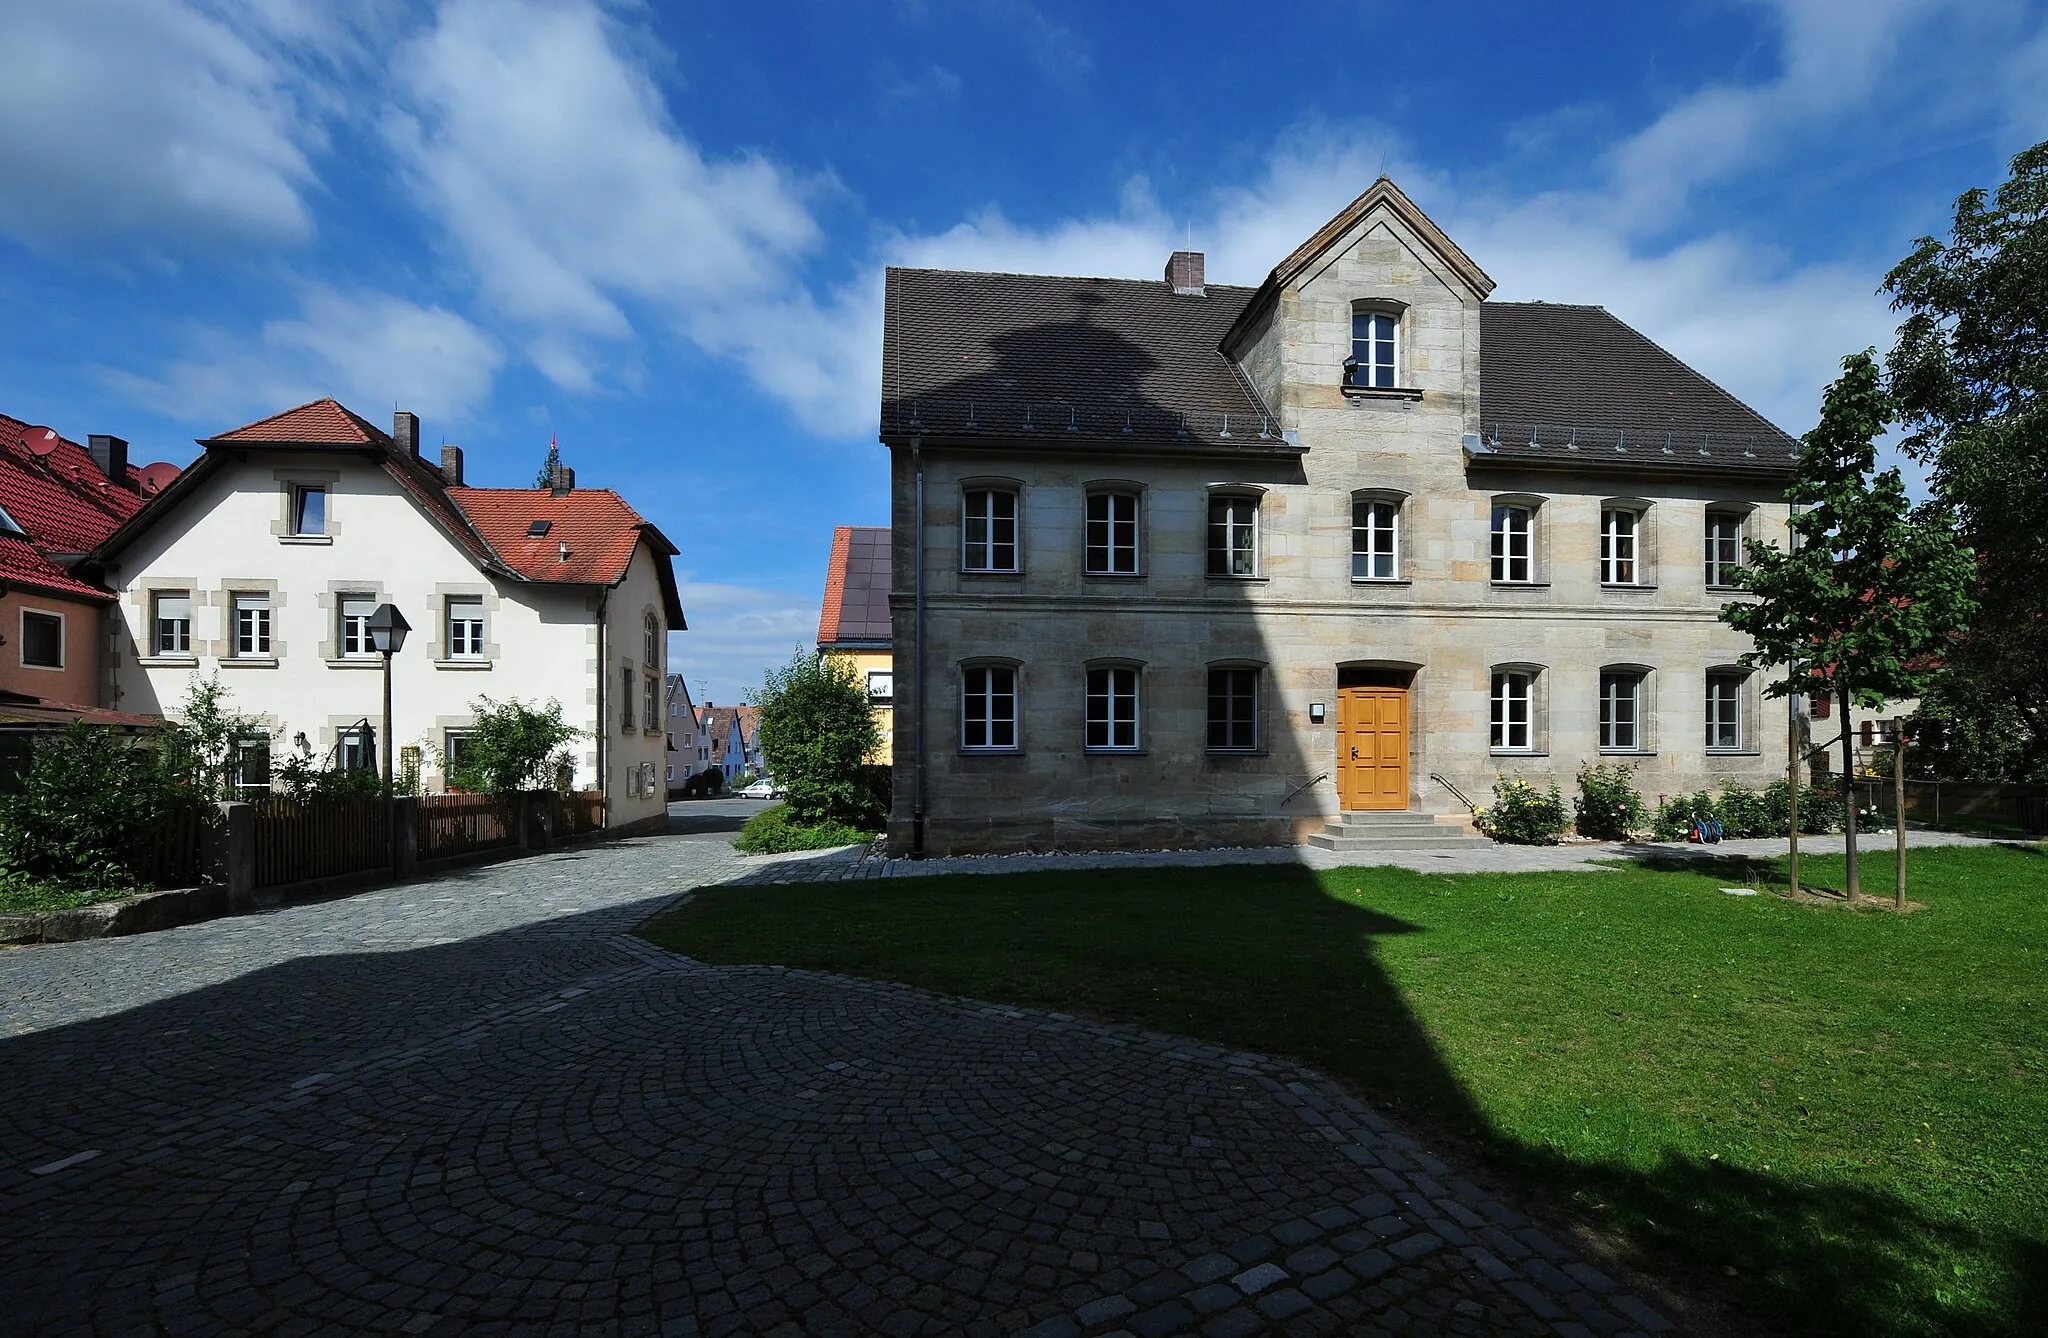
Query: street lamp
x: 387, y: 637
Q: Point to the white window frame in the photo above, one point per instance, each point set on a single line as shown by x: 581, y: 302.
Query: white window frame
x: 465, y: 633
x: 1234, y: 517
x: 1240, y: 709
x: 1376, y: 340
x: 300, y: 492
x: 627, y: 724
x: 1618, y: 685
x: 650, y: 634
x: 986, y: 692
x: 1621, y: 546
x: 243, y: 748
x: 1120, y: 539
x: 363, y: 740
x: 650, y: 702
x: 62, y: 628
x: 1722, y: 553
x: 1502, y: 544
x: 1379, y: 537
x: 1111, y: 708
x: 249, y: 637
x: 979, y: 510
x: 1736, y: 696
x: 352, y: 639
x: 1510, y: 688
x: 180, y: 628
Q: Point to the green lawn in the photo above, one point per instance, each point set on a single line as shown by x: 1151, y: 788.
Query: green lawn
x: 1839, y: 1118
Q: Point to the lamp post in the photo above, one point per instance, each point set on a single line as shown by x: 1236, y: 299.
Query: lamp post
x: 387, y: 636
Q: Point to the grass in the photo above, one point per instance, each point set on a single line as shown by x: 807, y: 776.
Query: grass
x: 1837, y: 1119
x: 21, y: 893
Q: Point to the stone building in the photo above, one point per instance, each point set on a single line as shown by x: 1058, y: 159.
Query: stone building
x: 1179, y: 564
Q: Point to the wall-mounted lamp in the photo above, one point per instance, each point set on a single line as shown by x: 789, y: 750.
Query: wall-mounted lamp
x: 1315, y: 713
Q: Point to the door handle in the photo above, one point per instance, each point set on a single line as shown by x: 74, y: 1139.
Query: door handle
x: 1354, y: 754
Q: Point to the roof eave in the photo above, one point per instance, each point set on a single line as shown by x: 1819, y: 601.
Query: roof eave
x: 1269, y: 450
x: 1478, y: 455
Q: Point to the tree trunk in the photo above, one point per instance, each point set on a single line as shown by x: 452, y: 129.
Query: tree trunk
x: 1849, y: 792
x: 1792, y: 780
x: 1899, y: 811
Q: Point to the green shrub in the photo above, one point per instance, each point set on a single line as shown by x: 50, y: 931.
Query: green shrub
x: 1675, y: 815
x: 1521, y: 816
x: 511, y: 747
x: 1821, y: 811
x: 778, y: 829
x: 1609, y: 806
x: 817, y: 733
x: 1745, y: 813
x: 89, y: 793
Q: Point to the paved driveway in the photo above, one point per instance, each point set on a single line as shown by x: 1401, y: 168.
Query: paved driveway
x: 477, y: 1106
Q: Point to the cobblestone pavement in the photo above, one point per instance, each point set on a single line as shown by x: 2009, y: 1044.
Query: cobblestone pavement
x: 478, y: 1106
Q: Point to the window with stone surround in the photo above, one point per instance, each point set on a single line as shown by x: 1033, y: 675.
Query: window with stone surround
x: 1620, y: 546
x: 1112, y: 709
x: 1514, y: 709
x: 1514, y: 543
x: 1375, y: 359
x: 1375, y: 537
x: 1233, y: 534
x: 1622, y: 700
x: 988, y: 708
x: 988, y: 529
x: 1110, y: 539
x: 1723, y: 548
x: 1727, y: 718
x: 1233, y: 709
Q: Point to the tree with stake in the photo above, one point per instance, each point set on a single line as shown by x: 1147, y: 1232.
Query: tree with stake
x: 1870, y: 592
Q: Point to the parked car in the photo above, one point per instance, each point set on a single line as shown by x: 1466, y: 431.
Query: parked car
x: 765, y: 788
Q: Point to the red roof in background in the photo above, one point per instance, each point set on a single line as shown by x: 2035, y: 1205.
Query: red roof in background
x: 598, y: 528
x: 856, y: 607
x: 63, y: 503
x: 323, y: 422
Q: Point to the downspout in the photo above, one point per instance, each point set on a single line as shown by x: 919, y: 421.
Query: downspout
x: 917, y: 650
x: 604, y: 779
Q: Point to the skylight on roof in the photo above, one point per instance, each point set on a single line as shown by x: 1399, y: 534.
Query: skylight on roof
x: 539, y: 528
x: 7, y: 525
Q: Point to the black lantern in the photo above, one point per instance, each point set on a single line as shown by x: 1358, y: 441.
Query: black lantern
x: 387, y: 629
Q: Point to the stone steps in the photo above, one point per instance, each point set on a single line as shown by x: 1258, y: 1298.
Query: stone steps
x: 1394, y: 831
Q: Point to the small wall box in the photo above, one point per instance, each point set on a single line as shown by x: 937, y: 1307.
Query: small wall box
x: 1315, y: 713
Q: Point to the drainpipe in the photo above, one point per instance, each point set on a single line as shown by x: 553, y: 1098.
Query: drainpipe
x: 917, y: 650
x: 604, y: 780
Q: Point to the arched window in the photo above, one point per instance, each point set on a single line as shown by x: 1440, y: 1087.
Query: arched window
x: 988, y: 708
x: 1514, y: 709
x: 650, y: 654
x: 1375, y: 353
x: 1110, y: 539
x: 1375, y: 536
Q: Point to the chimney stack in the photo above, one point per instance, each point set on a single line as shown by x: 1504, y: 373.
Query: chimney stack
x: 405, y: 432
x: 451, y: 466
x: 111, y: 455
x: 563, y: 482
x: 1184, y: 273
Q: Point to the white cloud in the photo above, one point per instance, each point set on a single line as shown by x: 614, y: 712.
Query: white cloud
x: 542, y: 145
x: 152, y: 117
x: 736, y: 634
x: 365, y: 349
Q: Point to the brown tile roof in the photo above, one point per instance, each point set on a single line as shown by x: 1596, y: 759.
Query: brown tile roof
x: 323, y: 422
x: 856, y: 608
x: 1580, y: 382
x: 1103, y: 363
x: 595, y: 526
x: 1027, y: 356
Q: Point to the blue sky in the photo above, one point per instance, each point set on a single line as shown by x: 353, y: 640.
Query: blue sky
x: 657, y: 231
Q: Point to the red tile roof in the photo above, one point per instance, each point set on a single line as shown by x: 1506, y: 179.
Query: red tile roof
x: 856, y: 608
x: 323, y: 422
x: 62, y: 503
x: 20, y: 708
x: 596, y: 526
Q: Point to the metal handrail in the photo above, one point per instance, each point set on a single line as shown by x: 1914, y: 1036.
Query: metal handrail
x: 1303, y: 786
x: 1454, y: 790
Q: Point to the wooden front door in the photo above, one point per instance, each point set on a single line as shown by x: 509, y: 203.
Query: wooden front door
x: 1372, y: 748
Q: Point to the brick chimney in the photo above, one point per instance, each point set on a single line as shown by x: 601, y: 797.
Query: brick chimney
x: 1184, y: 273
x: 451, y: 466
x: 564, y: 480
x: 405, y: 432
x: 111, y: 455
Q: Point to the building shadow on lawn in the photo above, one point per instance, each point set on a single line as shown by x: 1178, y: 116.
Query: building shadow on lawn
x: 1278, y: 965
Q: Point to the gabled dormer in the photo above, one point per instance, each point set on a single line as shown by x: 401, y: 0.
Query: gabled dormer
x: 1378, y: 305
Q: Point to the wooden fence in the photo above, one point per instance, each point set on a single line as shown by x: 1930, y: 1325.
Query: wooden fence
x: 1963, y: 803
x: 457, y: 824
x: 577, y: 813
x: 172, y: 851
x: 295, y: 842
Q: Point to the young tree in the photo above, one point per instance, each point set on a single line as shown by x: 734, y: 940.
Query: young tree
x: 546, y: 477
x: 1970, y: 372
x: 198, y: 746
x: 1870, y: 592
x: 511, y: 747
x: 817, y: 732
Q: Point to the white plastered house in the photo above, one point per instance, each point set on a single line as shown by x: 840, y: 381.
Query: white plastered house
x: 266, y: 557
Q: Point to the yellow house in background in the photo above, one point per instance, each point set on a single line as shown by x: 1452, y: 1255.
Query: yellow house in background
x: 855, y: 619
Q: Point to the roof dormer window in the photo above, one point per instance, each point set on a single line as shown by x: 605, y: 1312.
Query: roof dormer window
x: 1375, y: 350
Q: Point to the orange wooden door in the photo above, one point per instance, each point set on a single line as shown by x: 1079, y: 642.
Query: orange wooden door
x: 1372, y: 748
